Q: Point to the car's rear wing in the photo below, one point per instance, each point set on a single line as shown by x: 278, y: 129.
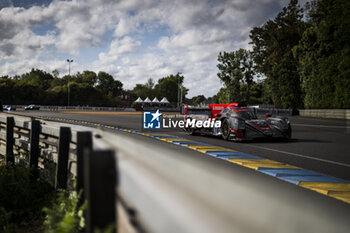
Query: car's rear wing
x: 212, y: 110
x: 189, y: 110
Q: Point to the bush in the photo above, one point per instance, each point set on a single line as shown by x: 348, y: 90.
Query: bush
x: 65, y: 216
x: 22, y: 198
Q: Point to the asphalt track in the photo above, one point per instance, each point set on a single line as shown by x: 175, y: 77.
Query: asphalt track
x: 321, y: 145
x: 318, y: 145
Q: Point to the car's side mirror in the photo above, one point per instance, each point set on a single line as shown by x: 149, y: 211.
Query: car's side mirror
x: 268, y: 115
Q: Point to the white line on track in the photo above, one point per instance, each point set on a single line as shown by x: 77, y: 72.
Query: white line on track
x: 304, y: 156
x: 323, y: 126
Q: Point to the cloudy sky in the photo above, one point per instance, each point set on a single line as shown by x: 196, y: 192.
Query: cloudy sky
x: 131, y: 39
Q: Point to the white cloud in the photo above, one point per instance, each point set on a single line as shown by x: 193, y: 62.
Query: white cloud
x: 24, y: 44
x: 196, y: 31
x: 117, y: 48
x: 22, y: 66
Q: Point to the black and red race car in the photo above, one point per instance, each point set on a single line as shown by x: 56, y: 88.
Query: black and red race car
x: 236, y: 123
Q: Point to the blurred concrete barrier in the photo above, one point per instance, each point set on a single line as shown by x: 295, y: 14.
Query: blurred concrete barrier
x: 326, y: 113
x: 273, y: 111
x: 149, y: 186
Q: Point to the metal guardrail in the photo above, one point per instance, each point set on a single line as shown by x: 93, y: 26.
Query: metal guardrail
x: 273, y: 111
x: 326, y: 113
x: 161, y: 188
x: 55, y: 108
x: 257, y: 111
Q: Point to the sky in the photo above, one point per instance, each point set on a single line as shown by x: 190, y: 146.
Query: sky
x: 133, y: 40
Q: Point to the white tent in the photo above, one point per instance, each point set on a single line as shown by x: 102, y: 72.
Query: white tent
x: 147, y: 101
x: 139, y: 101
x: 155, y: 100
x: 164, y: 101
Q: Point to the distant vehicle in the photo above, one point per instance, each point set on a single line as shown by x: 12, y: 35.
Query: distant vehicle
x: 32, y: 107
x: 237, y: 123
x: 9, y: 108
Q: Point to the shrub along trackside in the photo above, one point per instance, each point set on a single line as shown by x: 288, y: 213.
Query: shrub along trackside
x: 22, y: 198
x: 32, y: 205
x: 65, y: 215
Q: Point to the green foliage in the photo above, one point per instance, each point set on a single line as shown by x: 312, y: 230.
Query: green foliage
x: 65, y: 216
x: 273, y: 45
x: 21, y: 198
x: 166, y: 87
x: 24, y: 201
x: 196, y: 100
x: 256, y: 93
x: 145, y: 90
x: 40, y: 87
x: 107, y: 84
x: 7, y: 92
x: 236, y: 72
x: 221, y: 97
x: 108, y: 229
x: 323, y: 54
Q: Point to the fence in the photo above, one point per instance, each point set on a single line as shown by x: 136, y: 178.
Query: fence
x: 40, y: 146
x: 159, y: 187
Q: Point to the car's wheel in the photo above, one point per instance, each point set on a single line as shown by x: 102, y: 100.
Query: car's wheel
x: 289, y: 132
x: 193, y: 132
x: 225, y: 129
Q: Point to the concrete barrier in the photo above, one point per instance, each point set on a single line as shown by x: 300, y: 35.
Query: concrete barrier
x: 326, y: 113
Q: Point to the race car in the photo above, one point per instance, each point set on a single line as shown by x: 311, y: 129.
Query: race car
x: 32, y: 107
x: 236, y: 123
x: 9, y: 108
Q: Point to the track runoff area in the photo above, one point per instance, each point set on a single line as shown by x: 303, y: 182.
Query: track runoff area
x: 315, y: 158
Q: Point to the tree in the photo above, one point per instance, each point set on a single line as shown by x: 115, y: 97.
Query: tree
x: 236, y: 72
x: 272, y: 52
x: 222, y: 97
x: 7, y: 92
x: 150, y: 84
x: 87, y: 76
x: 55, y: 73
x: 169, y: 87
x: 256, y: 93
x: 323, y: 54
x: 145, y: 90
x: 196, y: 100
x: 36, y: 78
x: 107, y: 84
x: 40, y: 87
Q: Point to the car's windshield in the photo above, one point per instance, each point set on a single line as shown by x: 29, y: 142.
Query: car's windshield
x: 247, y: 115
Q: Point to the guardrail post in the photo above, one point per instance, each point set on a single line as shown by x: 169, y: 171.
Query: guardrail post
x: 63, y: 156
x: 100, y: 185
x: 84, y: 147
x: 34, y: 147
x: 10, y: 123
